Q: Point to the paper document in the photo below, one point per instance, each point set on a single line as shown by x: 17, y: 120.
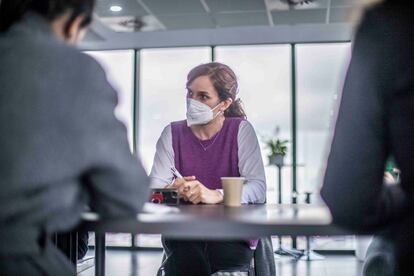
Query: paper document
x: 159, y: 208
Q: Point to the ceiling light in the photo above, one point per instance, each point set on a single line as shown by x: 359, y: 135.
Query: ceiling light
x: 115, y: 8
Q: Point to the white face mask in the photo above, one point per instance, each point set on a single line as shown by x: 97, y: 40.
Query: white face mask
x: 199, y: 113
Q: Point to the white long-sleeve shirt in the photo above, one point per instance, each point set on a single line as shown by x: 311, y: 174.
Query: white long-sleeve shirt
x: 250, y: 163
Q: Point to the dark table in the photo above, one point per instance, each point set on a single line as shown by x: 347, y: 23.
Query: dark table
x: 218, y: 222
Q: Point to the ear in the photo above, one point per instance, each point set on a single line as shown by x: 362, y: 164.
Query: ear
x: 75, y: 32
x: 226, y: 103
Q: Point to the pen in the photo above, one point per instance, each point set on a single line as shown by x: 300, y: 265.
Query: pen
x: 176, y: 173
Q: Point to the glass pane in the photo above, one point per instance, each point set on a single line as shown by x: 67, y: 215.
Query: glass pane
x: 119, y: 67
x: 162, y: 92
x: 321, y: 70
x: 264, y: 74
x: 153, y: 241
x: 162, y: 100
x: 112, y: 239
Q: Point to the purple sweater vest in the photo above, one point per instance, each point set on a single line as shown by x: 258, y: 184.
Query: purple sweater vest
x: 208, y: 160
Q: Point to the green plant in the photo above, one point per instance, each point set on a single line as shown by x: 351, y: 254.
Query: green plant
x: 276, y: 146
x: 391, y: 167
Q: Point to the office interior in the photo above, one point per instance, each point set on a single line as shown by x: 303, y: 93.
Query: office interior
x: 290, y: 61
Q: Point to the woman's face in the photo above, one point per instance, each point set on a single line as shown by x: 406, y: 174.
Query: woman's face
x: 202, y: 90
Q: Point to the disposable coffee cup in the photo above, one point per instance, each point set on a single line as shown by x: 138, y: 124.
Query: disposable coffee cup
x: 232, y: 190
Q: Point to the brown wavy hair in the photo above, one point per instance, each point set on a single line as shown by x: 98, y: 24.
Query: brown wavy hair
x: 224, y: 81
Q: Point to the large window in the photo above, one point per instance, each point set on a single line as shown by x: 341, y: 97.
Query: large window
x: 163, y: 75
x: 119, y: 68
x: 264, y: 75
x: 320, y: 73
x: 265, y: 88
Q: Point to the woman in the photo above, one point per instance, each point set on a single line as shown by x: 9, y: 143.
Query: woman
x: 214, y: 141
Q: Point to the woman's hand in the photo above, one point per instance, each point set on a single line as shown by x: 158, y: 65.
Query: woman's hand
x: 198, y: 193
x: 180, y: 185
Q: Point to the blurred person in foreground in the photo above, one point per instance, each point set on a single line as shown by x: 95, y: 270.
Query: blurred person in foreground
x: 61, y: 147
x: 376, y: 121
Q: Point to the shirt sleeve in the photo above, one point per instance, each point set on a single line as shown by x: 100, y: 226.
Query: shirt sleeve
x: 251, y: 165
x: 163, y: 160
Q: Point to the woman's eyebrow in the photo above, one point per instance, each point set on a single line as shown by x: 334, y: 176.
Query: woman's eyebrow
x: 203, y: 92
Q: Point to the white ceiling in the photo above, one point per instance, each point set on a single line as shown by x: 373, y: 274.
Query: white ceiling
x: 215, y: 14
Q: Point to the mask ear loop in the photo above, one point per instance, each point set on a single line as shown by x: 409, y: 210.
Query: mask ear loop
x: 218, y: 113
x: 221, y: 111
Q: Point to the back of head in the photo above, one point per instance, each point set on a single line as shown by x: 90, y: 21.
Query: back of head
x: 11, y: 11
